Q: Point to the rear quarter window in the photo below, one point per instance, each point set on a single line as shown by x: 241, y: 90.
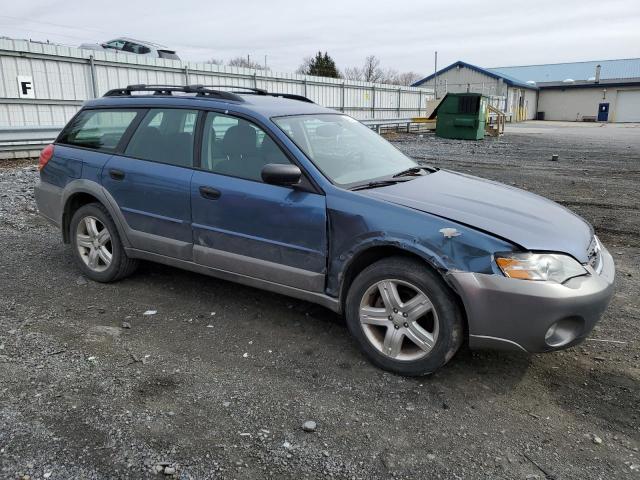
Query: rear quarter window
x: 97, y: 129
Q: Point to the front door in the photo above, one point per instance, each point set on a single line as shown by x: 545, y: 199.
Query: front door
x: 603, y: 112
x: 245, y: 226
x: 151, y: 182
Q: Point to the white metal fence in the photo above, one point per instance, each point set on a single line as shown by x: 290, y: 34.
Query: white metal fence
x: 62, y: 78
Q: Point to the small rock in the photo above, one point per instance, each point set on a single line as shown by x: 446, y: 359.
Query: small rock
x: 431, y: 457
x: 226, y: 404
x: 309, y: 426
x: 286, y: 445
x: 126, y: 325
x: 596, y: 439
x: 81, y: 281
x: 245, y: 355
x: 150, y: 312
x: 169, y: 470
x: 325, y: 453
x: 46, y: 474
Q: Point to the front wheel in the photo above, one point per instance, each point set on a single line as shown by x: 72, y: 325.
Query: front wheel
x: 96, y: 244
x: 404, y: 317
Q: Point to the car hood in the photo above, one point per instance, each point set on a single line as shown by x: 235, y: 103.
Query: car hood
x: 526, y: 219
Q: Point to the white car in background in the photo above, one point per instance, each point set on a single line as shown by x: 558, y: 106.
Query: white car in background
x: 130, y: 45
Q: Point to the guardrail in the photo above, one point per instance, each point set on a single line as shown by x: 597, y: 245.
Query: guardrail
x: 25, y: 142
x: 410, y: 124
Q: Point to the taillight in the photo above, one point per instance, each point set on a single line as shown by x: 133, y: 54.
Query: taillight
x: 45, y: 156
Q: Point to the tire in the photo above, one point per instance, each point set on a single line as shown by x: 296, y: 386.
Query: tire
x: 404, y: 317
x: 100, y: 255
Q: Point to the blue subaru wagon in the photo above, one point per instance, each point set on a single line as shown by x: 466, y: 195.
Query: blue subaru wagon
x: 276, y: 192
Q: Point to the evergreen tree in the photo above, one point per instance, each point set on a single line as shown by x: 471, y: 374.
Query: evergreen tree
x: 322, y: 65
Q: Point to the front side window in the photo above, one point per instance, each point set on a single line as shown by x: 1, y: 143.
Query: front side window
x: 238, y: 148
x: 97, y: 129
x: 135, y: 48
x: 165, y: 135
x: 343, y: 149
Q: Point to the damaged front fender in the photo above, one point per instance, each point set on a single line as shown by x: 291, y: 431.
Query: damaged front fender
x: 357, y: 226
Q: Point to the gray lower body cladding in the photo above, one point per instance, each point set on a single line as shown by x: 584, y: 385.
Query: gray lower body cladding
x: 49, y: 201
x: 512, y: 314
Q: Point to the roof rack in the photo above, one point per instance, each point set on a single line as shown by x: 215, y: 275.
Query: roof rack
x: 292, y: 96
x: 202, y: 90
x: 258, y: 91
x: 199, y: 90
x: 262, y: 91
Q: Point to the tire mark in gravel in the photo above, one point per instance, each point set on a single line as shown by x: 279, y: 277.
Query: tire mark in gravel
x: 606, y: 206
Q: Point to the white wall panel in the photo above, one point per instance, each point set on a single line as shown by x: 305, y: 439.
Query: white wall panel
x: 63, y: 77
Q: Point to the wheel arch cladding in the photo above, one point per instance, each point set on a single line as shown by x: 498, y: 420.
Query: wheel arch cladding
x: 75, y: 201
x: 371, y: 254
x: 82, y: 192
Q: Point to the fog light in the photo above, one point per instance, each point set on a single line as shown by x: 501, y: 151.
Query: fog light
x: 563, y: 331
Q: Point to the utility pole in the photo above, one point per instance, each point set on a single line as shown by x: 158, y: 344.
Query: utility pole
x: 265, y: 63
x: 435, y: 76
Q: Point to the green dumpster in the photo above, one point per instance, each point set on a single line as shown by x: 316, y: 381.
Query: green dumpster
x: 462, y: 116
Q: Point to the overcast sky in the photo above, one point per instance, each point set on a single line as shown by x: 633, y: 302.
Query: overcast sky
x: 404, y: 34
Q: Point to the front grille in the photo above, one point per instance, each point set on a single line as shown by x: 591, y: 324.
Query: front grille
x: 594, y: 254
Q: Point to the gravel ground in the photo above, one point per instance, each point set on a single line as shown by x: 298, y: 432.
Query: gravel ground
x: 220, y: 380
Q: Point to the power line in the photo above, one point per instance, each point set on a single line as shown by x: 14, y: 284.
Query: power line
x: 44, y: 32
x: 73, y: 27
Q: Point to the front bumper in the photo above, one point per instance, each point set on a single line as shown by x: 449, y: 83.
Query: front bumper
x: 511, y: 314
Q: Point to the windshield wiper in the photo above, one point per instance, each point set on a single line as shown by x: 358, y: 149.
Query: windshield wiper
x: 378, y: 183
x: 410, y: 171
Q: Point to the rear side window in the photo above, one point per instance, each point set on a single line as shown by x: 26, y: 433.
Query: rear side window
x: 98, y: 129
x: 165, y: 135
x: 168, y: 54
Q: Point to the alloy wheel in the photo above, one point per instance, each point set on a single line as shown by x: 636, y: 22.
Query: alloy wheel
x: 94, y: 244
x: 399, y: 320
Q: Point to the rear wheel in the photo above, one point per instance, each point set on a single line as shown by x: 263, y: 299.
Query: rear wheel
x: 404, y: 317
x: 96, y: 245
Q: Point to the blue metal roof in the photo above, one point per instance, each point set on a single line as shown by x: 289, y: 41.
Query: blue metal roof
x: 506, y: 77
x: 557, y: 72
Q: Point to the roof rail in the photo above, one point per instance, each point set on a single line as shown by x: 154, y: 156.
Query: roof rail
x: 259, y: 91
x: 262, y: 91
x: 200, y: 90
x: 291, y: 96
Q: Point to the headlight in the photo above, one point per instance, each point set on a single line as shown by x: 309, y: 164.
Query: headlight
x: 540, y: 266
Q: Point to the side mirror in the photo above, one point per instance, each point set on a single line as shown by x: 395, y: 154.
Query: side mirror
x: 281, y: 174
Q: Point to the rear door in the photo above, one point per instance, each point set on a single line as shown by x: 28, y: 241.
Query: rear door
x: 243, y: 225
x: 150, y: 181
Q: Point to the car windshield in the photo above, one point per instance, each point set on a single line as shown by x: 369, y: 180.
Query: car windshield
x: 344, y: 150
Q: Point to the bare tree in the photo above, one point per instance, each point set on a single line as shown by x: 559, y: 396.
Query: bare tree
x: 305, y: 66
x: 408, y: 78
x: 371, y: 71
x: 245, y: 63
x: 352, y: 73
x: 214, y: 61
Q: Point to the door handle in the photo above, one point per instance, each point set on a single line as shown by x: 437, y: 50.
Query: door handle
x: 209, y: 193
x: 116, y: 174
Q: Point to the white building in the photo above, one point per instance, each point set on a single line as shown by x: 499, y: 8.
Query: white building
x: 604, y: 90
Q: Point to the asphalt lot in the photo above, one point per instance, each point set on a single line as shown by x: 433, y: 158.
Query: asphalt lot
x: 218, y: 382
